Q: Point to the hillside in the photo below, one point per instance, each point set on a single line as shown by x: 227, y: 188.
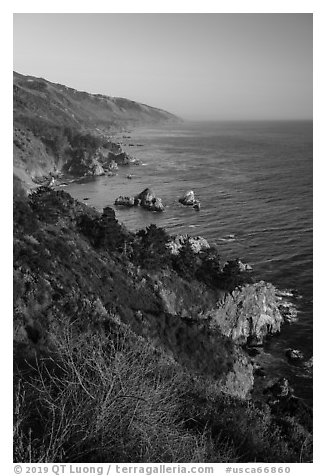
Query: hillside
x: 63, y: 106
x: 118, y: 351
x: 128, y: 348
x: 47, y: 117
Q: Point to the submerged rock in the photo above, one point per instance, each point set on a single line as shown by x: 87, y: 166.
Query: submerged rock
x: 248, y: 314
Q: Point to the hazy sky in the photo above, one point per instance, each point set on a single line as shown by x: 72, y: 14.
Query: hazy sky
x: 198, y: 66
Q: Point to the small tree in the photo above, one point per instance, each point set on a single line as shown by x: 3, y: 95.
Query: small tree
x: 149, y: 248
x: 209, y: 270
x: 185, y: 262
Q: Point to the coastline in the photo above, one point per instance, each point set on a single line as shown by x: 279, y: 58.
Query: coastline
x: 112, y: 291
x: 275, y: 349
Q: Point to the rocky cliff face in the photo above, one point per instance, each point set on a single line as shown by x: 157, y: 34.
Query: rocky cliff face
x: 56, y: 127
x: 249, y: 314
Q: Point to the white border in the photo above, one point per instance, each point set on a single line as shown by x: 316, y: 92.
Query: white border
x: 168, y: 6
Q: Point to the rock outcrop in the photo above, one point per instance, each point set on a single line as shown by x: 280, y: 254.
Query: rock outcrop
x: 198, y: 243
x: 247, y: 315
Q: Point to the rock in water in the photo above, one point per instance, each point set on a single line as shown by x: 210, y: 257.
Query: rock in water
x: 125, y: 201
x: 156, y: 205
x: 244, y: 266
x: 145, y: 199
x: 148, y: 200
x: 196, y: 205
x: 294, y: 355
x: 188, y: 198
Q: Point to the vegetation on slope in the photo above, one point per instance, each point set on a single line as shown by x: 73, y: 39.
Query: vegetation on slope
x: 112, y: 359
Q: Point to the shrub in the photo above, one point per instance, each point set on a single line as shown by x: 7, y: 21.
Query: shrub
x: 185, y: 262
x: 101, y: 400
x: 209, y: 270
x: 104, y: 231
x: 231, y: 277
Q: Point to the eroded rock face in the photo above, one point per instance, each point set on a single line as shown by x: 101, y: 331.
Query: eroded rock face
x: 247, y: 315
x: 198, y: 243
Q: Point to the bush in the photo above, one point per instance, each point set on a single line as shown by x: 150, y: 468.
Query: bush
x: 103, y: 232
x: 101, y: 400
x: 231, y: 277
x: 111, y: 397
x: 185, y: 262
x: 209, y: 270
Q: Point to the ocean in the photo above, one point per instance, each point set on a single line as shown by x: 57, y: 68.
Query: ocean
x: 254, y: 181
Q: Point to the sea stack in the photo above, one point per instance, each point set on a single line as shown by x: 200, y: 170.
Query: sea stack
x: 189, y: 199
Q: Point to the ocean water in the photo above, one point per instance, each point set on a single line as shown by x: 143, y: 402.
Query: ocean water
x: 254, y: 182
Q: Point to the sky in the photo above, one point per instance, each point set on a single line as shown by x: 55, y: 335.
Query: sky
x: 199, y: 66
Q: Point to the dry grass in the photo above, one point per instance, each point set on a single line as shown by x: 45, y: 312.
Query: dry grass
x: 109, y: 396
x: 102, y: 400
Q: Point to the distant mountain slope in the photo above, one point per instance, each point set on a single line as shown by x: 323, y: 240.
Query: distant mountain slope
x: 66, y: 106
x: 56, y: 126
